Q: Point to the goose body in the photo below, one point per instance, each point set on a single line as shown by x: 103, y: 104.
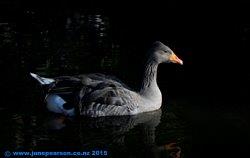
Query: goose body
x: 101, y: 95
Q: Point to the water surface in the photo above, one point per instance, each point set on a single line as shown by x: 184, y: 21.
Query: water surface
x: 192, y: 122
x: 159, y: 133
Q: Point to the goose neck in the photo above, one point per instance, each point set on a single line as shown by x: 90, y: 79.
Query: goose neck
x: 149, y: 83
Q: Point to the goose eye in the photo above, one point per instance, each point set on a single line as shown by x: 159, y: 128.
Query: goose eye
x: 162, y: 52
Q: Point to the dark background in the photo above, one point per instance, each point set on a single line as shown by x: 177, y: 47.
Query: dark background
x: 210, y: 37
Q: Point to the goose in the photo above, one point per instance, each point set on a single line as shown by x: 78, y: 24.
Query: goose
x: 96, y: 94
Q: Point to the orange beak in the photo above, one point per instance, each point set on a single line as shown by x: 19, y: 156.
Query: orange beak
x: 175, y: 59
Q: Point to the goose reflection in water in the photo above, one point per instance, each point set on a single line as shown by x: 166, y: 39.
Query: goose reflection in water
x: 115, y: 133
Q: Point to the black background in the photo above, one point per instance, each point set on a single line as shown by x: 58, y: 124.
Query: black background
x: 211, y: 38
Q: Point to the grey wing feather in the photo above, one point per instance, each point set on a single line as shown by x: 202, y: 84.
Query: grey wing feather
x: 106, y: 93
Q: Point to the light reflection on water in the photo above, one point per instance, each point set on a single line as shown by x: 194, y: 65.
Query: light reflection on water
x: 73, y: 42
x: 158, y: 134
x: 70, y: 45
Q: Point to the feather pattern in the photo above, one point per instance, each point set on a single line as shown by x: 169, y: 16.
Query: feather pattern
x: 101, y: 95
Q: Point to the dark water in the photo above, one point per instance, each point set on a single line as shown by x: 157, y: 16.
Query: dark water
x: 195, y: 119
x: 181, y: 128
x: 71, y: 43
x: 158, y: 134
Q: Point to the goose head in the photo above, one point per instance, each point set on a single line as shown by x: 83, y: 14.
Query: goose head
x: 161, y: 53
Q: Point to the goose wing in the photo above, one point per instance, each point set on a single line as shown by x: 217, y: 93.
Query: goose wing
x: 106, y: 95
x: 96, y: 94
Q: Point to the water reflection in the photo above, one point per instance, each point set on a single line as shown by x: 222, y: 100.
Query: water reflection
x: 109, y: 132
x: 72, y: 42
x: 68, y: 43
x: 123, y: 136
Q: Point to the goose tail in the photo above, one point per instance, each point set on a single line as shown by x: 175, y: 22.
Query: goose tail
x: 42, y: 80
